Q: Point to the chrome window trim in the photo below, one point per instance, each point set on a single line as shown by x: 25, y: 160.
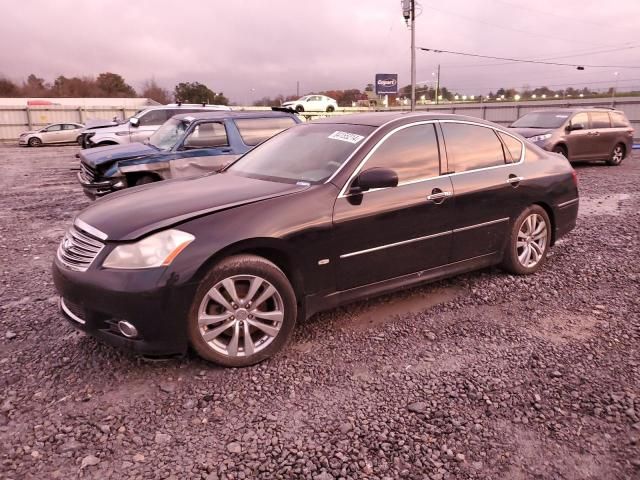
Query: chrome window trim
x: 396, y: 244
x: 71, y: 315
x: 478, y: 225
x: 343, y: 193
x: 89, y: 229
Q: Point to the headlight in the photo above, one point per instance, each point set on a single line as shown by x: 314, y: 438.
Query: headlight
x: 539, y: 138
x: 154, y: 251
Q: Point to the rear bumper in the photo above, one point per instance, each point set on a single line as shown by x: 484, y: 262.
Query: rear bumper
x: 566, y: 216
x: 95, y: 301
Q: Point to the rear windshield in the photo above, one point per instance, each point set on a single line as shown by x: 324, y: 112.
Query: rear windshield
x: 541, y: 120
x: 256, y: 130
x: 308, y: 153
x: 618, y: 119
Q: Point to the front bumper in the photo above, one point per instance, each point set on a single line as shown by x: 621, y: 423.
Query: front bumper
x: 93, y: 189
x: 95, y: 301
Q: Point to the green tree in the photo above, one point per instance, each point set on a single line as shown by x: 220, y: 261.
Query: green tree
x: 193, y: 92
x: 150, y: 89
x: 8, y: 88
x: 113, y: 85
x: 35, y: 87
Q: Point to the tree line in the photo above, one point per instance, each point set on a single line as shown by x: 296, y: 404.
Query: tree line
x: 109, y: 85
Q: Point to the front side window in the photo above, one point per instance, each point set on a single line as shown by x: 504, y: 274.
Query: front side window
x: 580, y: 119
x: 308, y: 153
x: 600, y: 120
x: 256, y: 130
x: 411, y: 152
x: 154, y: 117
x: 168, y: 134
x: 470, y: 147
x: 207, y: 135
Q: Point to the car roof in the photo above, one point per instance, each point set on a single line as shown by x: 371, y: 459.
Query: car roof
x: 220, y: 114
x: 377, y: 119
x: 576, y: 109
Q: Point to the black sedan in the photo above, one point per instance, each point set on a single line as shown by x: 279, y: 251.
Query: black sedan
x: 322, y: 214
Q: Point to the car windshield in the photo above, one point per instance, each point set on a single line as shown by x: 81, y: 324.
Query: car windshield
x: 308, y: 153
x: 541, y: 120
x: 168, y: 134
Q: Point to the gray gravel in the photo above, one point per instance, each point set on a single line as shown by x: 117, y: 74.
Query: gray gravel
x: 484, y: 376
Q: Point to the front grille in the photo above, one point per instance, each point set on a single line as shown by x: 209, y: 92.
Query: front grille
x: 87, y: 173
x: 78, y: 250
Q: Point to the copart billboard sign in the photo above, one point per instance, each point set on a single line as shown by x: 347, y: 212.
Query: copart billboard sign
x: 386, y: 83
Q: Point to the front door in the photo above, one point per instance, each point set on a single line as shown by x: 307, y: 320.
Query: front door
x: 579, y: 141
x: 486, y: 177
x: 52, y: 134
x: 205, y: 149
x: 391, y: 232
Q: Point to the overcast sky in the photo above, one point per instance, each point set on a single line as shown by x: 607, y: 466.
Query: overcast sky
x: 254, y: 48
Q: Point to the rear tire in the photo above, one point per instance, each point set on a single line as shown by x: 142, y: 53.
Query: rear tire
x: 617, y: 155
x: 145, y: 179
x: 244, y: 312
x: 79, y: 140
x: 528, y: 243
x: 35, y: 142
x: 330, y: 108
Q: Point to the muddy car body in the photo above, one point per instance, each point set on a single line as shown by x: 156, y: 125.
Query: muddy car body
x: 186, y: 145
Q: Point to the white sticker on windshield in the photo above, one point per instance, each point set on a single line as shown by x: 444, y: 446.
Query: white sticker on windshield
x: 562, y: 116
x: 346, y: 136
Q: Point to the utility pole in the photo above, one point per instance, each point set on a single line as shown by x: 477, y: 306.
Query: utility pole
x: 409, y: 14
x: 413, y: 55
x: 438, y: 85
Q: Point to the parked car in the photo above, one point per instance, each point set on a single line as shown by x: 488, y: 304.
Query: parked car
x: 52, y: 134
x: 319, y: 215
x: 579, y: 133
x: 141, y: 126
x: 313, y: 103
x: 186, y: 145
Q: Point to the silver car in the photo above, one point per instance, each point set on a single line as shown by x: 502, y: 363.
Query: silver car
x: 53, y: 133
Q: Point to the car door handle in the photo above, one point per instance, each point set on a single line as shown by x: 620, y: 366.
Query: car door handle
x: 226, y: 150
x: 514, y: 179
x: 439, y: 196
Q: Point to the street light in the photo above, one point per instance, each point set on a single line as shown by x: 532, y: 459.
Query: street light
x: 516, y: 97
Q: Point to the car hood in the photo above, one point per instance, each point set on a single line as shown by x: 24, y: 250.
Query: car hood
x: 95, y: 157
x: 29, y: 132
x: 291, y: 102
x: 137, y: 211
x: 531, y: 132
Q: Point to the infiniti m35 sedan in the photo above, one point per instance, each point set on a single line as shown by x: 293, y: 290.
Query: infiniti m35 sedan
x: 321, y: 214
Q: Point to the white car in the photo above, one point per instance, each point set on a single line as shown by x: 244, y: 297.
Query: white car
x: 313, y: 103
x: 53, y: 133
x: 141, y: 126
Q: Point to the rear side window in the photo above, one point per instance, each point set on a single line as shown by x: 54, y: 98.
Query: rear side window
x: 411, y: 152
x: 470, y: 147
x: 600, y: 120
x: 207, y: 135
x: 513, y: 148
x: 154, y: 117
x: 256, y: 130
x: 618, y: 119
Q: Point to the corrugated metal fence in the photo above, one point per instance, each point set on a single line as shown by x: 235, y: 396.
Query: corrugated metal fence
x: 14, y: 120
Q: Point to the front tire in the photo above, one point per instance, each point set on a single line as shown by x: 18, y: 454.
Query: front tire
x: 244, y: 312
x: 299, y: 108
x: 617, y: 155
x: 529, y: 242
x: 35, y: 142
x: 143, y: 180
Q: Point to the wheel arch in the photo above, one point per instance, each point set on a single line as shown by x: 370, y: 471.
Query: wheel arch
x: 564, y: 146
x: 274, y: 250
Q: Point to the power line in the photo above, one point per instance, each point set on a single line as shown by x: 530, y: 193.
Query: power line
x: 519, y: 60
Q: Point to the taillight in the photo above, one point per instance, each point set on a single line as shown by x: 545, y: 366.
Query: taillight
x: 574, y: 175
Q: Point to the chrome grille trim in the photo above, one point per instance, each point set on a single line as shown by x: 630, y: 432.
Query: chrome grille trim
x: 88, y: 175
x: 77, y: 250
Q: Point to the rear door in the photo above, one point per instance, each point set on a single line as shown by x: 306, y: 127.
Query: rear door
x: 486, y: 175
x: 69, y: 132
x: 205, y: 149
x: 603, y: 137
x: 387, y: 233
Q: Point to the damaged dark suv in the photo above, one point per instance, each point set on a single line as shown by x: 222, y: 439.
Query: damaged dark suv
x: 184, y: 146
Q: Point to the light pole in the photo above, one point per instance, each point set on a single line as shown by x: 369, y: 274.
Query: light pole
x: 613, y: 92
x: 409, y: 14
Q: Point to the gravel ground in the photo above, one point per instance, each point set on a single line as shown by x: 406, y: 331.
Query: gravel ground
x: 486, y: 376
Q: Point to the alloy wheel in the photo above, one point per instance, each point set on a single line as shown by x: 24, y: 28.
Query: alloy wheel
x: 617, y: 155
x: 532, y: 240
x: 241, y: 315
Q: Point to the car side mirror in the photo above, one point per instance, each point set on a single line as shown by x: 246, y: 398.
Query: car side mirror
x: 575, y: 126
x: 135, y: 122
x: 375, y: 178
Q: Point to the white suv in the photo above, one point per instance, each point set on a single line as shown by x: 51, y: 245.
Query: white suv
x: 313, y: 103
x: 141, y: 126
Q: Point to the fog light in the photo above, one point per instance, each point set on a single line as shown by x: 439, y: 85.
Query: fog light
x: 127, y: 329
